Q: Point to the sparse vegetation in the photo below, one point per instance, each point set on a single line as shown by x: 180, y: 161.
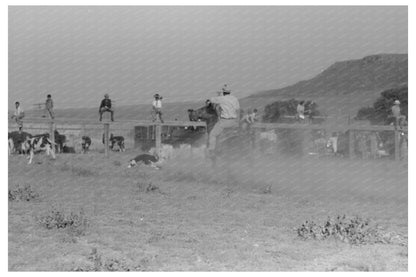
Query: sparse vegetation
x: 353, y: 230
x: 147, y: 186
x: 75, y: 223
x: 105, y: 264
x: 82, y: 172
x: 25, y: 193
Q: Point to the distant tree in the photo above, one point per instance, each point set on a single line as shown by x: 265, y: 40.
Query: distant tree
x: 275, y: 111
x: 380, y: 113
x: 365, y: 113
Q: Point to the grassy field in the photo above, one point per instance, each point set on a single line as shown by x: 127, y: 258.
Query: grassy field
x: 240, y: 216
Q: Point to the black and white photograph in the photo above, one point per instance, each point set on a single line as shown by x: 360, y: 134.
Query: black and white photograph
x: 207, y: 138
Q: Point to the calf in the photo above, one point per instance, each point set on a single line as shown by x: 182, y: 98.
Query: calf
x: 68, y: 149
x: 145, y: 159
x: 59, y: 141
x: 16, y: 139
x: 39, y: 143
x: 116, y: 140
x: 86, y: 142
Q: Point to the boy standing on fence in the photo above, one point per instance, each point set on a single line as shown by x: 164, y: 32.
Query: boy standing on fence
x: 157, y: 108
x: 18, y: 115
x: 49, y: 106
x: 398, y: 117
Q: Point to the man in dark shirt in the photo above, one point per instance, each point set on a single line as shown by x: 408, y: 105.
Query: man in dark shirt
x: 106, y: 107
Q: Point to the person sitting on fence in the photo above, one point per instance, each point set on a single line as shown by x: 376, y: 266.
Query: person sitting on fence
x: 300, y: 109
x: 49, y: 106
x: 248, y: 119
x: 157, y: 108
x: 105, y: 106
x: 18, y: 115
x: 398, y: 117
x: 229, y: 110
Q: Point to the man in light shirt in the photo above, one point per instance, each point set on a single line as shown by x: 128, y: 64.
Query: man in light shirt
x: 228, y: 117
x: 19, y: 114
x: 397, y: 115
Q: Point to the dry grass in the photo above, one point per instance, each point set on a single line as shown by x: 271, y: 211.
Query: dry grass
x: 239, y: 216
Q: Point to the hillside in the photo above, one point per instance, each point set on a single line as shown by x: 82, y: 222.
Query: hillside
x: 339, y: 91
x: 344, y: 86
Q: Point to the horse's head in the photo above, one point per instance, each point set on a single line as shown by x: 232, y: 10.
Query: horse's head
x: 192, y: 115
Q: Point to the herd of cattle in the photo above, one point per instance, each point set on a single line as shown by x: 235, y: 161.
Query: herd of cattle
x: 24, y: 143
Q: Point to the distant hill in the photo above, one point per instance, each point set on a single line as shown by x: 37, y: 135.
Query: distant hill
x: 345, y: 86
x: 340, y: 90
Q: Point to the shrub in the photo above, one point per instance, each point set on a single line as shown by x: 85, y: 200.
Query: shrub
x: 23, y: 194
x: 353, y: 230
x: 105, y: 264
x: 75, y: 223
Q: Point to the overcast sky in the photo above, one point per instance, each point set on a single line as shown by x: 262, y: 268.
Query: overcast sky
x: 185, y: 53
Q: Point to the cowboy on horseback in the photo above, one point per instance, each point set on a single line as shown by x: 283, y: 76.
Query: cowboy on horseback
x: 228, y: 117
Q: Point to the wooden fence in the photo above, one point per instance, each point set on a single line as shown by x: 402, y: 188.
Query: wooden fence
x: 83, y: 124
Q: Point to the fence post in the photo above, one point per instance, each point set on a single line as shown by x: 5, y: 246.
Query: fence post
x: 52, y: 131
x: 396, y: 145
x: 106, y: 134
x: 158, y: 137
x: 351, y: 144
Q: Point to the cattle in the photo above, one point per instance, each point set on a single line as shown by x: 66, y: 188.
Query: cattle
x: 39, y: 143
x: 208, y: 114
x: 68, y: 149
x: 146, y: 159
x: 59, y: 141
x: 85, y: 144
x: 115, y: 140
x: 16, y: 138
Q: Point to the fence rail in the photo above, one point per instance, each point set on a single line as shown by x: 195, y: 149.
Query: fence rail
x: 351, y: 128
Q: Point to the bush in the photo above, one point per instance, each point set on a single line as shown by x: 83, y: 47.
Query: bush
x: 75, y: 223
x: 353, y: 230
x: 105, y: 264
x: 23, y: 194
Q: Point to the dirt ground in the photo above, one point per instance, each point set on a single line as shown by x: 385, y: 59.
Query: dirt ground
x: 240, y: 216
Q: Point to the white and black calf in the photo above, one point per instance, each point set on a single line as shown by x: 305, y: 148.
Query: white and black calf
x: 39, y: 143
x: 145, y: 159
x: 85, y: 143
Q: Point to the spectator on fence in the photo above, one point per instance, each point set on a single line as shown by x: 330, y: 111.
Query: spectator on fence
x: 157, y: 108
x: 49, y: 106
x: 398, y: 117
x: 18, y: 115
x: 300, y: 109
x: 248, y: 119
x: 105, y: 106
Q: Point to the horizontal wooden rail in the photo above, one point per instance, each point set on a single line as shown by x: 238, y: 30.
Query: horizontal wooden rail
x: 82, y: 121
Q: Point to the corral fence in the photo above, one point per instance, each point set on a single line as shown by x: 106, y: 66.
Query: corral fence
x: 360, y: 140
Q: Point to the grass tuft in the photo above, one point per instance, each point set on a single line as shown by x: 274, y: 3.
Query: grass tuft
x: 25, y: 193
